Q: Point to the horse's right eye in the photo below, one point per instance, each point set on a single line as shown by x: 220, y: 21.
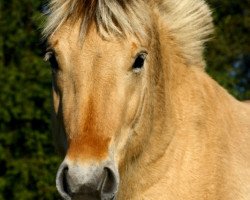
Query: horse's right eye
x: 139, y: 62
x: 50, y: 56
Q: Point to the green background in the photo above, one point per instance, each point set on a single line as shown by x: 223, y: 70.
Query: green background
x: 28, y: 161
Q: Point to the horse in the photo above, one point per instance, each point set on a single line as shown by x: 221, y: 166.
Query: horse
x: 135, y: 116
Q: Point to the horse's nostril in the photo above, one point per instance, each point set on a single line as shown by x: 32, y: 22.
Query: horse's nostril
x: 65, y: 185
x: 110, y: 183
x: 62, y: 183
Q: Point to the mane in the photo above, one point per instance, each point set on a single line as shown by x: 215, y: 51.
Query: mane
x: 117, y: 17
x: 189, y: 21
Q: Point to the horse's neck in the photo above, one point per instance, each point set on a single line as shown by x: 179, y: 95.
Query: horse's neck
x: 193, y: 149
x: 207, y: 130
x: 211, y: 134
x: 190, y: 152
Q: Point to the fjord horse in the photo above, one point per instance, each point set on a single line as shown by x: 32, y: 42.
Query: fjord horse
x: 135, y: 115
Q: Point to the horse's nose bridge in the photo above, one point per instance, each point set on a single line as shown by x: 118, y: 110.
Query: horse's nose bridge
x: 80, y: 111
x: 75, y: 98
x: 88, y: 147
x: 89, y: 137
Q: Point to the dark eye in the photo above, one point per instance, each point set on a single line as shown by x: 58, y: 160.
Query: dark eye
x: 50, y: 56
x: 139, y: 62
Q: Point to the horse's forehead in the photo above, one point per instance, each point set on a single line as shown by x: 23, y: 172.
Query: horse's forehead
x: 66, y: 39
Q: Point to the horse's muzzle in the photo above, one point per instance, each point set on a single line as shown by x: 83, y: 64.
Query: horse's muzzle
x: 87, y: 182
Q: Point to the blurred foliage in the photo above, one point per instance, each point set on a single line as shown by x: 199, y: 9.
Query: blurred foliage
x: 228, y: 54
x: 28, y: 162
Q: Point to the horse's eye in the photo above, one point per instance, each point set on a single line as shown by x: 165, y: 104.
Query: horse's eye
x: 50, y: 56
x: 139, y: 61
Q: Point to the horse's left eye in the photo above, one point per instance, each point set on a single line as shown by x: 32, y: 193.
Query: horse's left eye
x: 139, y: 61
x: 50, y: 56
x: 53, y: 63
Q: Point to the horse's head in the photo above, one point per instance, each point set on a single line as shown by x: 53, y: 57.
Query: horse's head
x: 104, y: 90
x: 100, y: 87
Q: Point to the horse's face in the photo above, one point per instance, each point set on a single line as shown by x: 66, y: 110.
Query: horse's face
x: 99, y: 89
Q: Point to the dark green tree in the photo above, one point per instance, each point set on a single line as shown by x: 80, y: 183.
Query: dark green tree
x: 228, y: 54
x: 27, y: 158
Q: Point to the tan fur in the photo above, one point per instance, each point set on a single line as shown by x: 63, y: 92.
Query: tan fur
x: 174, y: 132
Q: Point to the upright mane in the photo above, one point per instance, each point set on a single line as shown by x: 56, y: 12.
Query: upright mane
x: 189, y: 21
x: 117, y: 17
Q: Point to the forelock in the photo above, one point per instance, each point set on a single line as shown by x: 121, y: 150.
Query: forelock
x: 116, y: 17
x: 188, y: 21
